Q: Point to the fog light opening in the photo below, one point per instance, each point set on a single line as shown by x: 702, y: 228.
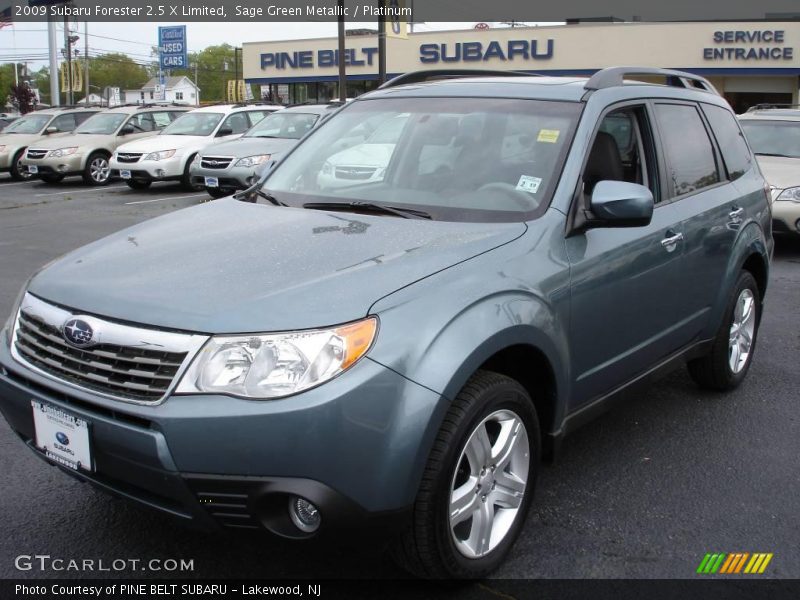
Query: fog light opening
x: 62, y: 168
x: 160, y: 173
x: 304, y: 514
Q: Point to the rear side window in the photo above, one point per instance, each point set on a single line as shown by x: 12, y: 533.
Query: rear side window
x: 82, y: 116
x: 730, y: 139
x: 689, y: 154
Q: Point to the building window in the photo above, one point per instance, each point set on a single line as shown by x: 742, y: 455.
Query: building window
x: 178, y: 95
x: 141, y: 95
x: 151, y: 95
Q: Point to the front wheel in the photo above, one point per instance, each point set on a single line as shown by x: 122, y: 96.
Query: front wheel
x: 18, y: 170
x: 478, y: 483
x: 727, y: 363
x: 186, y: 179
x: 97, y: 171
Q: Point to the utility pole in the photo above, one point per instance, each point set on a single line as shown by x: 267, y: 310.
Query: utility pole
x: 55, y: 96
x: 196, y: 85
x: 381, y: 42
x: 236, y: 74
x: 342, y: 74
x: 86, y: 60
x: 68, y: 78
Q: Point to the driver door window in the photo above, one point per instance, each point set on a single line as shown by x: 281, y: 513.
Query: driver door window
x: 237, y: 123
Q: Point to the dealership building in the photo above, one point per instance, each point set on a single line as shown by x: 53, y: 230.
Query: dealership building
x: 748, y: 62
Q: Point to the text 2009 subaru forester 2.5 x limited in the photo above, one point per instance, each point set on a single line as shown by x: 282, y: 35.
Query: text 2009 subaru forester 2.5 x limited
x: 403, y: 349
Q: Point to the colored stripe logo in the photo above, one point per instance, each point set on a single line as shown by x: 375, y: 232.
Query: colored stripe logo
x: 734, y: 563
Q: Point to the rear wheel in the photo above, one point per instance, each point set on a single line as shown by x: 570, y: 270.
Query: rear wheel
x: 18, y: 170
x: 478, y: 483
x: 138, y: 185
x: 97, y: 171
x: 726, y: 365
x: 51, y: 177
x: 218, y: 192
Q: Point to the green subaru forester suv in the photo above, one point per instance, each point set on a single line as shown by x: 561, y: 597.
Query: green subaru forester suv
x: 400, y: 351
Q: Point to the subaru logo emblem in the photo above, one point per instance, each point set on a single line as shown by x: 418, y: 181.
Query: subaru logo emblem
x: 62, y: 438
x: 78, y: 333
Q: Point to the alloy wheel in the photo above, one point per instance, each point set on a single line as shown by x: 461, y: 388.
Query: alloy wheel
x: 99, y: 170
x: 742, y: 330
x: 489, y: 483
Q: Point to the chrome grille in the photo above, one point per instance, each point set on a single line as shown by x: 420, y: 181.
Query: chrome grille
x: 354, y: 173
x: 36, y: 154
x: 215, y: 162
x: 128, y: 157
x: 127, y: 363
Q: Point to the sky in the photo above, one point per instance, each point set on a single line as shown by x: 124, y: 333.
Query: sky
x: 28, y: 41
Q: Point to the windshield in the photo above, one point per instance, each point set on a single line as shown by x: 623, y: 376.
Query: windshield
x: 773, y: 137
x: 28, y: 124
x: 284, y: 125
x: 201, y: 123
x: 455, y: 159
x: 102, y: 123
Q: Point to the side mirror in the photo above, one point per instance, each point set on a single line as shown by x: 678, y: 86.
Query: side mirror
x: 225, y: 131
x: 621, y: 204
x: 51, y: 129
x: 127, y: 130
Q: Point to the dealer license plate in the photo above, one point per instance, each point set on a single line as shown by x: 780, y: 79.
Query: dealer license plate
x: 125, y: 174
x: 33, y: 169
x: 63, y: 437
x: 212, y: 182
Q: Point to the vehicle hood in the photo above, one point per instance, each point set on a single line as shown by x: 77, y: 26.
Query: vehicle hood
x: 51, y: 142
x: 780, y: 171
x: 19, y: 140
x: 249, y: 146
x: 160, y: 142
x: 233, y: 267
x: 364, y: 155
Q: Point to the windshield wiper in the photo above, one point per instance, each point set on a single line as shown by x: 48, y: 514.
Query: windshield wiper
x: 772, y: 154
x: 406, y: 213
x: 249, y: 195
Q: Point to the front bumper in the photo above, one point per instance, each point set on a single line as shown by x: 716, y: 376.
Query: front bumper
x: 170, y: 169
x: 232, y: 178
x: 60, y: 165
x: 351, y: 446
x: 786, y: 217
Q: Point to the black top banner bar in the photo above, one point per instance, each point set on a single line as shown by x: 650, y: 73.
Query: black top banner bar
x: 407, y: 10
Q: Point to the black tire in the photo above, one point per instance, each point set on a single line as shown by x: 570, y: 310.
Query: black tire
x: 186, y: 179
x: 218, y: 192
x: 135, y: 184
x: 17, y: 171
x: 51, y: 178
x: 97, y: 171
x: 427, y: 548
x: 713, y: 371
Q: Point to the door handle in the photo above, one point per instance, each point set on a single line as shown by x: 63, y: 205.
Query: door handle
x: 736, y: 213
x: 672, y: 240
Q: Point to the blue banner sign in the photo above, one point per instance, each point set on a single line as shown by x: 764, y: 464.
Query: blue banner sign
x: 172, y: 43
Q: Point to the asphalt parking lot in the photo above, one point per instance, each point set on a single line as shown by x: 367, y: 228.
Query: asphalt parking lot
x: 644, y: 492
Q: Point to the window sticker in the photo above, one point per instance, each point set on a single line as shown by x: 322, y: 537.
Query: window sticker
x: 529, y: 184
x: 549, y: 136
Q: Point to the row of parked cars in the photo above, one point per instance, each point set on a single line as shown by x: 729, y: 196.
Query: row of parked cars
x: 220, y: 147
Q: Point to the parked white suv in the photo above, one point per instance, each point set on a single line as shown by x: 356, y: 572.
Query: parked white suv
x: 166, y: 157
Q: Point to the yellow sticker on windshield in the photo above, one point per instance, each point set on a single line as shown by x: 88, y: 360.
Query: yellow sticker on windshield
x: 548, y: 135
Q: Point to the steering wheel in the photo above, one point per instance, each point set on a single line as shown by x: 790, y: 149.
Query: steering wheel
x: 521, y: 199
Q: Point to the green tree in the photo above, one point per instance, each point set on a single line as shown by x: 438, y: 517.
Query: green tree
x: 115, y: 70
x: 212, y: 73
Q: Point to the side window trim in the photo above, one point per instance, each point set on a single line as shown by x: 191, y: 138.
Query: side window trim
x: 660, y: 174
x: 662, y: 151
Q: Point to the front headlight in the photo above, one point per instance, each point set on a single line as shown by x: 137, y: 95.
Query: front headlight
x: 62, y: 152
x: 792, y: 194
x: 252, y: 161
x: 276, y: 365
x: 160, y: 155
x: 9, y: 326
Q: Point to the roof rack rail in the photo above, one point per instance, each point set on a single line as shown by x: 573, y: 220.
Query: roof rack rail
x: 615, y: 76
x: 767, y: 106
x: 434, y: 74
x: 255, y: 103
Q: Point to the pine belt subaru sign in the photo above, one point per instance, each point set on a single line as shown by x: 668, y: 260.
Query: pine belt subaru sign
x: 172, y: 43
